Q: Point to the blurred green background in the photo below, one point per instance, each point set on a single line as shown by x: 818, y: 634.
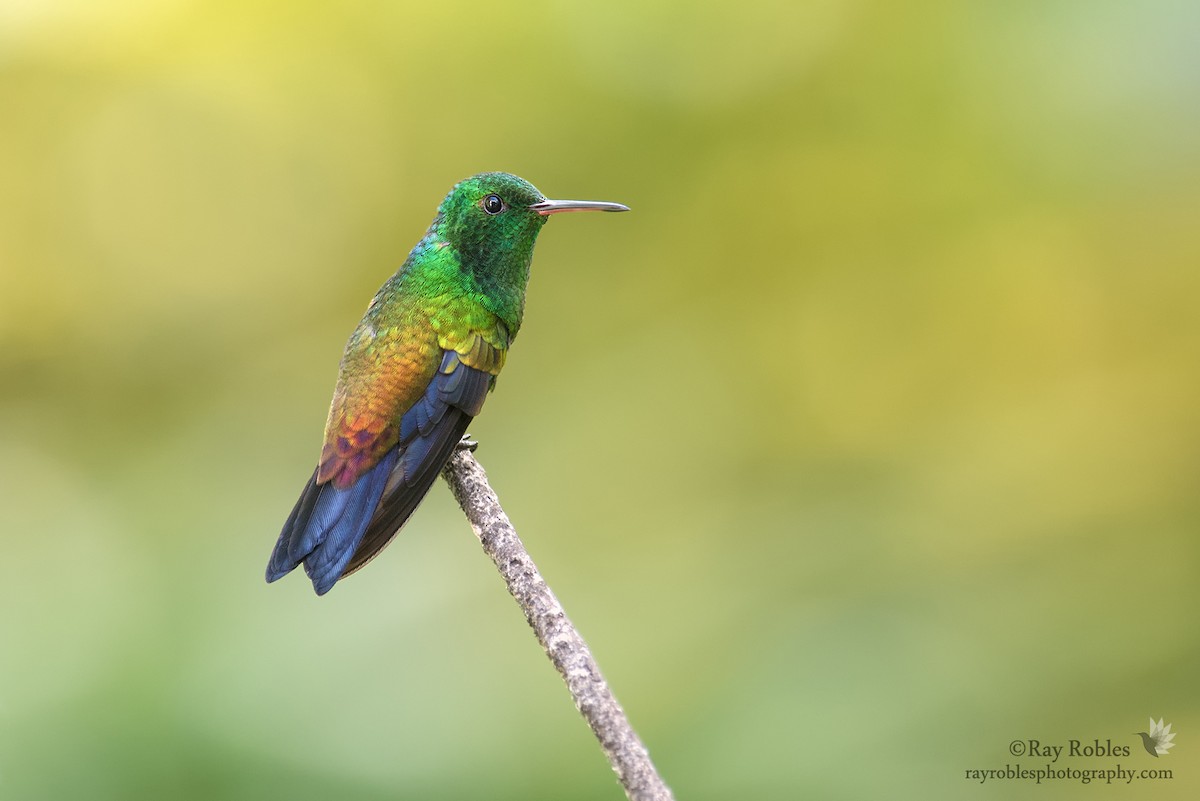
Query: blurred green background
x: 867, y: 443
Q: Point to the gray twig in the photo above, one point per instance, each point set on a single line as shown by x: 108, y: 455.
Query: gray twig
x: 554, y: 631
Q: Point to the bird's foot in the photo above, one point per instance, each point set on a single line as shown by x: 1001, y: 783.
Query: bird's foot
x: 467, y: 444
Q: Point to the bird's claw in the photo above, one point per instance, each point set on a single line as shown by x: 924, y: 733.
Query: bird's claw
x: 467, y: 444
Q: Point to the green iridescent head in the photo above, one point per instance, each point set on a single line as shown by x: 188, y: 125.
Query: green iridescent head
x: 489, y: 216
x: 501, y: 211
x: 492, y: 220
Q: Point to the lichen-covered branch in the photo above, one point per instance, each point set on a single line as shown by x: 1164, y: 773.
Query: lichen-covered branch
x: 560, y: 640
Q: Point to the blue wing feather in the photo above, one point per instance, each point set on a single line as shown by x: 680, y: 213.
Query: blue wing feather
x: 452, y: 399
x: 336, y: 531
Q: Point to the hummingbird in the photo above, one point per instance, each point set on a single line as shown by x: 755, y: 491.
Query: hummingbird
x: 415, y: 372
x: 1157, y: 741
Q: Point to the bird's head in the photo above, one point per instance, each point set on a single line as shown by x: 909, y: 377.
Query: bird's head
x: 492, y: 221
x: 496, y: 216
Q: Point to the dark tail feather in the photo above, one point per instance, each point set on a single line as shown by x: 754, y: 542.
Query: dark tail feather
x: 281, y: 561
x: 327, y: 525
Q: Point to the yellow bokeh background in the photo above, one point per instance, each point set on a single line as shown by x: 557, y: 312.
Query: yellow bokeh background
x: 868, y: 443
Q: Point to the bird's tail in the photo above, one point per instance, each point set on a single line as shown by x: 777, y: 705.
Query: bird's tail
x: 326, y: 526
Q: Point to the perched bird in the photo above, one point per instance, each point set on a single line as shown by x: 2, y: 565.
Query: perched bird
x: 415, y: 371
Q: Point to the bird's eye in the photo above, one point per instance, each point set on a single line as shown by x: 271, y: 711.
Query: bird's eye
x: 492, y: 204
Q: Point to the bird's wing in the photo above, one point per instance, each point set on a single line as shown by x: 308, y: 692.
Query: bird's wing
x: 401, y: 404
x: 431, y: 428
x: 383, y: 373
